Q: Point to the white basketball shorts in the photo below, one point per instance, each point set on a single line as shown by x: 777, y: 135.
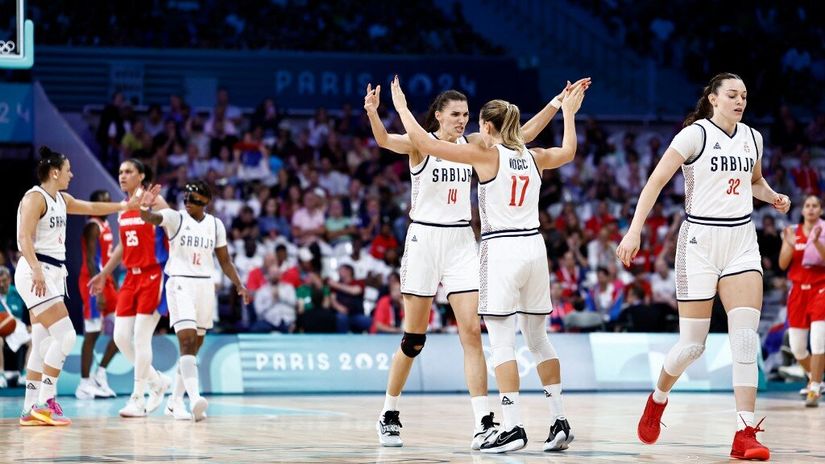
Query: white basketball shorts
x: 191, y: 299
x: 436, y: 253
x: 515, y: 277
x: 55, y: 285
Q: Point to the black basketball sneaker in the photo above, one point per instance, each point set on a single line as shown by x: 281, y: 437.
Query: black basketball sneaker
x: 504, y: 441
x: 389, y: 429
x: 488, y: 429
x: 560, y: 436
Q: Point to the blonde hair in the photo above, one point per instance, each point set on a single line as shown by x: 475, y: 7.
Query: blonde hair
x: 506, y: 118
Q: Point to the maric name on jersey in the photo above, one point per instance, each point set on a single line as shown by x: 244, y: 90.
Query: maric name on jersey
x: 196, y: 242
x: 731, y: 163
x: 452, y: 174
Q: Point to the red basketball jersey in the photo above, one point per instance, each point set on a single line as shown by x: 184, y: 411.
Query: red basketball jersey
x: 105, y: 241
x: 796, y: 271
x: 144, y: 244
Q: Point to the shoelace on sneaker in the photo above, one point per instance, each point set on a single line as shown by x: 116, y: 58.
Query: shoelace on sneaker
x: 392, y: 422
x: 751, y: 431
x: 487, y: 422
x: 651, y: 421
x: 55, y: 407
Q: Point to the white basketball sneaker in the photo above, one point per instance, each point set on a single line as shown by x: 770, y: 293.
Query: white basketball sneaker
x: 86, y: 390
x: 102, y: 384
x: 135, y: 407
x: 175, y: 407
x: 156, y: 391
x: 199, y: 408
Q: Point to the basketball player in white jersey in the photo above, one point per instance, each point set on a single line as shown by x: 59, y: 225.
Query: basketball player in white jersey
x: 514, y: 276
x: 40, y: 278
x: 440, y: 248
x: 717, y: 252
x: 194, y: 236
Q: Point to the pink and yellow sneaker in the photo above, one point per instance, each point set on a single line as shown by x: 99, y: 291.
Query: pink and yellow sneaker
x: 50, y: 412
x: 27, y: 420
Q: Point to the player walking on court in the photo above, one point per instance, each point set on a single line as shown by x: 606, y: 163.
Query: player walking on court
x: 440, y: 248
x: 96, y: 246
x: 40, y: 278
x: 514, y: 276
x: 802, y: 253
x: 717, y: 252
x: 143, y: 248
x: 194, y: 236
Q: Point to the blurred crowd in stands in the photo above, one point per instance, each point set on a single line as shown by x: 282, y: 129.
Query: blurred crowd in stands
x: 787, y: 40
x: 309, y: 25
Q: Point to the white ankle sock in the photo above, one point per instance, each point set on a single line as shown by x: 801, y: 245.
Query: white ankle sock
x: 553, y: 395
x: 32, y: 394
x: 48, y: 388
x: 481, y: 408
x: 190, y: 376
x: 510, y: 410
x: 744, y: 419
x: 660, y: 396
x: 390, y: 403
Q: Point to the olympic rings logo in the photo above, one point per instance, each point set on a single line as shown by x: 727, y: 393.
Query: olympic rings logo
x: 6, y: 47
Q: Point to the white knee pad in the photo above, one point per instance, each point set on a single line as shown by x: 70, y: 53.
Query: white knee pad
x: 798, y: 339
x: 818, y: 337
x: 64, y: 338
x: 502, y: 335
x: 39, y: 336
x: 64, y: 335
x: 744, y: 345
x: 532, y: 327
x: 692, y: 335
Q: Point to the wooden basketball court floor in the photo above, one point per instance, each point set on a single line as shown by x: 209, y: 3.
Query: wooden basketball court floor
x: 436, y: 429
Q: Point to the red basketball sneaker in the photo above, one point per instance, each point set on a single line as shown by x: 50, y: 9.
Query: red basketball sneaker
x: 746, y: 446
x: 651, y: 421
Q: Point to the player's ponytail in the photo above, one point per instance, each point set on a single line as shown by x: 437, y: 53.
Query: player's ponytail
x: 703, y: 107
x: 506, y: 118
x: 430, y: 122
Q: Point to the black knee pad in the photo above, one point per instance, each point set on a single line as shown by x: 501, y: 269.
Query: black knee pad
x: 412, y: 344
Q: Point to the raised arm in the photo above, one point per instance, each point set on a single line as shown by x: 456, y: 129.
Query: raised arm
x: 479, y: 157
x: 394, y: 142
x: 550, y: 158
x: 97, y: 208
x: 670, y: 162
x: 532, y: 128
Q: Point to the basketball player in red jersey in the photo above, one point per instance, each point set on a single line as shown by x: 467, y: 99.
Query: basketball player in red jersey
x: 806, y: 299
x: 143, y: 248
x: 96, y: 246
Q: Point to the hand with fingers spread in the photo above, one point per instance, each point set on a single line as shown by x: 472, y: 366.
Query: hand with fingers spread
x: 573, y: 101
x: 585, y: 82
x: 149, y: 196
x: 628, y: 248
x: 789, y: 236
x: 399, y: 100
x: 372, y: 99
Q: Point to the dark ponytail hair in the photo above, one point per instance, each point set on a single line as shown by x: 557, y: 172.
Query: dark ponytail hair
x: 703, y: 107
x: 430, y: 123
x: 49, y: 160
x: 142, y: 169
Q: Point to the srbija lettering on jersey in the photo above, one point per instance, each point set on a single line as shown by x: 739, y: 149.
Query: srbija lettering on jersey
x: 508, y: 204
x: 50, y: 233
x: 718, y: 178
x: 441, y: 190
x: 192, y: 243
